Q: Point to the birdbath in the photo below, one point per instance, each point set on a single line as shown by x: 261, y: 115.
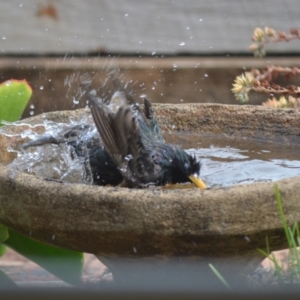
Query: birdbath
x: 153, y: 226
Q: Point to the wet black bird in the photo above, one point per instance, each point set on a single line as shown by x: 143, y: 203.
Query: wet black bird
x: 132, y: 138
x: 131, y: 150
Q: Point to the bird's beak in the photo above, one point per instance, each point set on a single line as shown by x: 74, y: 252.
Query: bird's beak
x: 197, y: 181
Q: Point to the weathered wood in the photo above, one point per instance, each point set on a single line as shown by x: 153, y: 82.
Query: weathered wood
x: 56, y: 85
x: 133, y: 26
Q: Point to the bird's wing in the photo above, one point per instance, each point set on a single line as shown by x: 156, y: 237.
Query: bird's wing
x: 146, y: 112
x: 103, y: 119
x: 120, y: 135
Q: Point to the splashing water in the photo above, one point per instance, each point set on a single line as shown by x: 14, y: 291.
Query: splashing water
x: 52, y: 161
x: 224, y: 161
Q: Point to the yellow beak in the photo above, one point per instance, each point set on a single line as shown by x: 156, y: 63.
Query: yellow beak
x: 197, y: 181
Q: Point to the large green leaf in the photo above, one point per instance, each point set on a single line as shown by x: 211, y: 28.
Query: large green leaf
x: 2, y: 249
x: 3, y: 233
x: 3, y: 237
x: 64, y: 264
x: 14, y: 96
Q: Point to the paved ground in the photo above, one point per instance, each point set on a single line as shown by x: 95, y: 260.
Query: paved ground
x: 26, y: 272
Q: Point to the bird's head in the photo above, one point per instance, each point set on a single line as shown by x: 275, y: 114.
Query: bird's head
x: 179, y: 166
x: 189, y: 167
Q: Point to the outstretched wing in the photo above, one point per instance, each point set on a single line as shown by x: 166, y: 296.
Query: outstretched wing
x: 120, y: 135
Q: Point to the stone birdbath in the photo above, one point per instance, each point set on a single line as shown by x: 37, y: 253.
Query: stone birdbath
x: 159, y: 225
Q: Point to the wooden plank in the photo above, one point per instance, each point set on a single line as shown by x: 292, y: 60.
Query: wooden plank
x: 133, y: 26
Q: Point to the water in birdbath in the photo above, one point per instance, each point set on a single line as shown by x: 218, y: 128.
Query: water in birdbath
x: 228, y: 161
x: 224, y: 161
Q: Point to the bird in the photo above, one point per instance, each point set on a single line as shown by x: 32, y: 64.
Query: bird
x: 132, y: 138
x: 130, y: 150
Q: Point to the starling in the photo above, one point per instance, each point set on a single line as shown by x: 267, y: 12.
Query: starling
x: 131, y: 136
x: 130, y: 151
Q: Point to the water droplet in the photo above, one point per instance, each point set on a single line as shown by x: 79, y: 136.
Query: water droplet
x: 4, y: 37
x: 205, y: 75
x: 174, y: 66
x: 8, y: 83
x: 41, y: 87
x: 126, y: 15
x: 21, y: 4
x: 153, y: 53
x: 123, y: 170
x: 31, y: 106
x: 187, y: 28
x: 53, y: 237
x: 247, y: 238
x: 31, y: 112
x: 128, y: 157
x: 140, y: 42
x: 182, y: 44
x: 200, y: 20
x: 75, y: 101
x: 153, y: 88
x: 134, y: 250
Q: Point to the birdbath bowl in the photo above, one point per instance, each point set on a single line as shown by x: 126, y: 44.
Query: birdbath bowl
x: 158, y: 223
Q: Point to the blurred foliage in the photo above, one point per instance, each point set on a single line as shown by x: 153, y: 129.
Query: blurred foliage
x: 262, y: 81
x: 64, y: 264
x: 14, y: 96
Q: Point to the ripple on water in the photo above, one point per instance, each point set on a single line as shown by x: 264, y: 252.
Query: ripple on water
x: 226, y: 161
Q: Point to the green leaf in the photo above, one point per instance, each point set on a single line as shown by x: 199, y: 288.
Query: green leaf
x: 220, y: 277
x: 3, y: 233
x: 3, y: 237
x: 14, y: 96
x: 2, y: 249
x: 6, y: 282
x: 64, y: 264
